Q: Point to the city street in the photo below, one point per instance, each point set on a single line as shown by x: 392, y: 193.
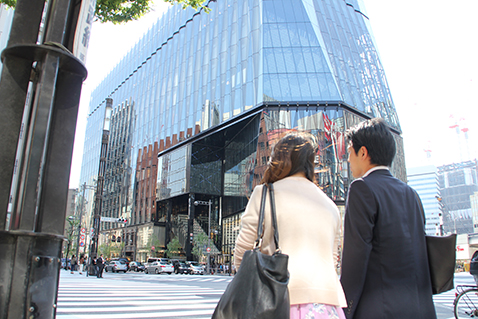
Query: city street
x: 136, y: 295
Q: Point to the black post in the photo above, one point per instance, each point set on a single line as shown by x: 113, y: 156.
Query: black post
x: 39, y: 96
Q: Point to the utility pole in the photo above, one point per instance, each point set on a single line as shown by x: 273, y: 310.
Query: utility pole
x: 40, y: 88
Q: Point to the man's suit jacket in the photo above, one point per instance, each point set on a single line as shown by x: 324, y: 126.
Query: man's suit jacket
x: 384, y: 263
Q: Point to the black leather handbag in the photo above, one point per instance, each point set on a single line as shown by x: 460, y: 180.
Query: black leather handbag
x: 441, y: 253
x: 441, y: 261
x: 259, y: 289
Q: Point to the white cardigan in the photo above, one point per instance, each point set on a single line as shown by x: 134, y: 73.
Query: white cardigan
x: 309, y: 228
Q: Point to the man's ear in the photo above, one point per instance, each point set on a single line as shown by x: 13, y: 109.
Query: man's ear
x: 363, y: 153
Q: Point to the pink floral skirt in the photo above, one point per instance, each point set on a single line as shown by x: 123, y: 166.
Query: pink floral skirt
x: 316, y: 311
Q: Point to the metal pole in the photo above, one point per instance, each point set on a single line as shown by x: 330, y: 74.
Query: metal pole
x: 209, y: 237
x: 32, y: 232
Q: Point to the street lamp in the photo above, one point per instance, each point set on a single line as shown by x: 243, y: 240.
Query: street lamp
x: 208, y: 203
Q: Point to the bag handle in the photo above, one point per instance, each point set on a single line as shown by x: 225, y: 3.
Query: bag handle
x: 260, y: 226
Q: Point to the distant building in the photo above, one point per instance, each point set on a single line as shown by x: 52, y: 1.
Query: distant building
x: 71, y: 202
x: 6, y: 18
x: 474, y: 211
x: 456, y: 184
x: 212, y: 94
x: 424, y: 181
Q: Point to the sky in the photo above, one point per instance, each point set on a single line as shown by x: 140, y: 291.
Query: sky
x: 429, y: 51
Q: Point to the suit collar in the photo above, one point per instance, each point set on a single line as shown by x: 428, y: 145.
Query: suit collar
x: 375, y: 168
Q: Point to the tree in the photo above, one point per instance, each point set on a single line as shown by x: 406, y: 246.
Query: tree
x: 200, y: 241
x: 119, y: 11
x: 111, y: 250
x: 154, y: 242
x: 173, y: 247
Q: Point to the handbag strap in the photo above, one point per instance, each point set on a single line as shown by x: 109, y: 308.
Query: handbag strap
x: 260, y: 226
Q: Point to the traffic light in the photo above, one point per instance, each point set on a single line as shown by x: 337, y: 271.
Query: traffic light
x: 122, y: 220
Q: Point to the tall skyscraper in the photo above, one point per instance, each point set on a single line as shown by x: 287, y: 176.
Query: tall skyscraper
x: 425, y: 182
x: 457, y: 183
x: 212, y: 93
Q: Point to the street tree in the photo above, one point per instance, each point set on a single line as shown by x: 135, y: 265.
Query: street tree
x: 154, y: 242
x: 120, y: 11
x: 200, y: 241
x: 173, y: 247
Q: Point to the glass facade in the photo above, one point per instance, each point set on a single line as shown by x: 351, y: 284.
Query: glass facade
x: 214, y: 92
x: 424, y: 181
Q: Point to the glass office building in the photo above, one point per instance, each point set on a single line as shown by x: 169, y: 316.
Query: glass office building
x: 213, y: 92
x: 424, y: 181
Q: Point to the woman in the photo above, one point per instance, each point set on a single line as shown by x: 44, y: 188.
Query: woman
x: 309, y: 228
x: 73, y: 263
x: 82, y: 264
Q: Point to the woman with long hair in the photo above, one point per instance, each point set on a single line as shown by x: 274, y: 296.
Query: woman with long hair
x: 309, y: 228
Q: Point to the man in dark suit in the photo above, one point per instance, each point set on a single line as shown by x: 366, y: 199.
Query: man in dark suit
x: 100, y: 265
x: 384, y: 262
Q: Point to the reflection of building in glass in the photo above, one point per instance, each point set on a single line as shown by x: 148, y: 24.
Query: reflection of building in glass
x: 424, y: 181
x: 457, y: 182
x: 216, y: 91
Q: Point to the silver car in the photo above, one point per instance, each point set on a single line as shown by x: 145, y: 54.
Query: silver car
x: 116, y: 266
x: 159, y: 267
x: 195, y: 268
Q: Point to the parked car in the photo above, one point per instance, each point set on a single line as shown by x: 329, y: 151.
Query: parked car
x: 136, y: 266
x: 116, y: 266
x: 153, y: 259
x: 195, y: 268
x: 126, y: 260
x: 180, y: 267
x: 159, y: 267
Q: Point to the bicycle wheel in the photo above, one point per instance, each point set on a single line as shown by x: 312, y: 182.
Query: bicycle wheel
x: 466, y: 304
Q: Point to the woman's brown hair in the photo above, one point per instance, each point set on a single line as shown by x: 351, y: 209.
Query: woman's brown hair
x: 294, y: 153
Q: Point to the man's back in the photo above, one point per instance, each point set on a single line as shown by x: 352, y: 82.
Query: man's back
x: 385, y: 268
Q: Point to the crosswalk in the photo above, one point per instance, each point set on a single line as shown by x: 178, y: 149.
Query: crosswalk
x: 138, y: 296
x: 444, y: 301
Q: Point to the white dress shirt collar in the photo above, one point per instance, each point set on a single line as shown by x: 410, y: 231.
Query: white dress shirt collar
x: 375, y: 168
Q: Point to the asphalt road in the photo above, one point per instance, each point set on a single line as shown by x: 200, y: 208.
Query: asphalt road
x: 137, y: 295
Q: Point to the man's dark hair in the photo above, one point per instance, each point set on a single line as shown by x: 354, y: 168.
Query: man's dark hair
x: 377, y: 139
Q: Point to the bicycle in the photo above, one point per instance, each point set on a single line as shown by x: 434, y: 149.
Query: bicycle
x: 466, y: 302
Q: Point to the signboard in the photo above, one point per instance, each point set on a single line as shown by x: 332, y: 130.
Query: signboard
x: 82, y: 244
x: 82, y: 237
x: 83, y: 29
x: 112, y: 220
x: 83, y: 230
x: 208, y: 249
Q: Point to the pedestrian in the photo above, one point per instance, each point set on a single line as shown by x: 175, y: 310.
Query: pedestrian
x: 82, y: 263
x: 92, y: 266
x: 100, y: 264
x: 384, y: 263
x: 308, y: 225
x: 73, y: 263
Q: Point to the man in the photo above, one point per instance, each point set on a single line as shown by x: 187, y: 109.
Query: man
x: 384, y: 263
x: 100, y: 264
